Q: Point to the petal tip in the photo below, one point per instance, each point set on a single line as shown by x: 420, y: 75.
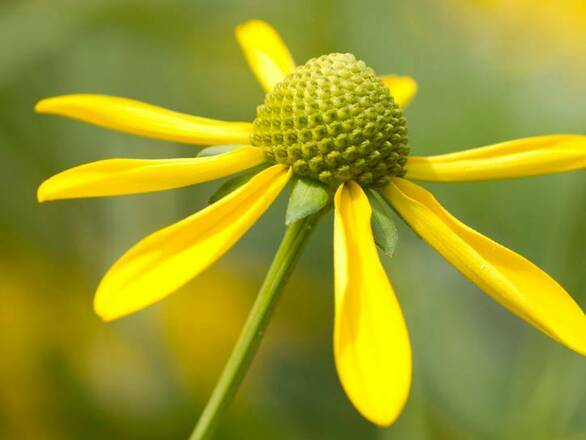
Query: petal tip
x: 413, y: 83
x: 252, y: 22
x: 384, y: 421
x: 103, y: 306
x: 245, y: 25
x: 111, y: 300
x: 105, y: 310
x: 42, y: 194
x: 384, y: 416
x: 578, y: 344
x: 386, y: 411
x: 43, y: 105
x: 55, y: 103
x: 251, y: 29
x: 104, y: 316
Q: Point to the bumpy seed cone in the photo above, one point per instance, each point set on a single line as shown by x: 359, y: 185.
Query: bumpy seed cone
x: 333, y: 120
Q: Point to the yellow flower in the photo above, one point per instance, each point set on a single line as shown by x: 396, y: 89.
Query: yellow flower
x: 329, y: 121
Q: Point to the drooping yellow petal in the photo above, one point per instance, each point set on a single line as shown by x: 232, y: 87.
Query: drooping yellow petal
x: 131, y: 176
x: 146, y: 120
x: 402, y: 88
x: 265, y: 52
x: 510, y: 279
x: 167, y: 259
x: 371, y: 344
x: 518, y: 158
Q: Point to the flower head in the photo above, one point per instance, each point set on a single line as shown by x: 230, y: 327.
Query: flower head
x: 338, y: 128
x: 333, y: 120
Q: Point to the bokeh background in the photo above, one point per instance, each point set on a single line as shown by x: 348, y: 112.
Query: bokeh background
x: 489, y: 70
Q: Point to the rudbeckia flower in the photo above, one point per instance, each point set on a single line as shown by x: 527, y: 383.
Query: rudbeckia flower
x: 335, y: 128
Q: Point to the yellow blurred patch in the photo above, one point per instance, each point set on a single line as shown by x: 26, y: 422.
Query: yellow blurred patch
x: 531, y: 34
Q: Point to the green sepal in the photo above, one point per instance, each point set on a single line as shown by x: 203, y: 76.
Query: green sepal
x: 307, y: 197
x: 217, y: 149
x: 384, y: 229
x: 235, y: 182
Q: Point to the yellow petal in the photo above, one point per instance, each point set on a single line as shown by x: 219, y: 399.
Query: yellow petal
x: 146, y: 120
x: 518, y: 158
x: 167, y: 259
x: 265, y: 52
x: 402, y: 88
x: 371, y: 344
x: 131, y: 176
x: 510, y: 279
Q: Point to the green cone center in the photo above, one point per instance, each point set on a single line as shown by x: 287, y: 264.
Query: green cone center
x: 332, y: 119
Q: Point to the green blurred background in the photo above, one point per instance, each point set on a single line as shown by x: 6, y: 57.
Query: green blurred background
x: 488, y: 71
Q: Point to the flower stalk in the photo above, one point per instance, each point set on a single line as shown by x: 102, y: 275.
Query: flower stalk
x: 249, y: 340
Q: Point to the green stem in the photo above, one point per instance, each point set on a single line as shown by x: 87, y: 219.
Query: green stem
x: 254, y: 328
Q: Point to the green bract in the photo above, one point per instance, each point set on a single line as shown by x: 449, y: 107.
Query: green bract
x: 333, y: 120
x: 384, y: 229
x: 307, y: 198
